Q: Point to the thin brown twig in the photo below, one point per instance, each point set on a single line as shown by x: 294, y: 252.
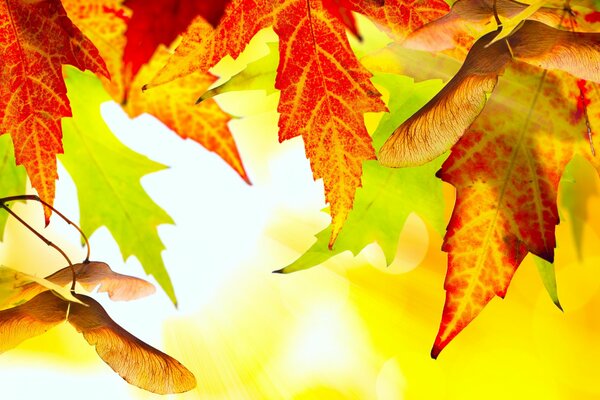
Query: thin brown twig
x: 67, y: 220
x: 42, y: 238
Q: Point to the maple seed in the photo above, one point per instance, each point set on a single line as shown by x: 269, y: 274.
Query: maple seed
x: 135, y: 361
x: 90, y: 275
x: 442, y: 121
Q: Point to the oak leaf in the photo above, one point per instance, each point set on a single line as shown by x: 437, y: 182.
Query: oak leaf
x: 325, y: 92
x: 38, y: 38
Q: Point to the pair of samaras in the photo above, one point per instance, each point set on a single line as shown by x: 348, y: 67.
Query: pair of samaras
x: 40, y: 309
x: 437, y: 126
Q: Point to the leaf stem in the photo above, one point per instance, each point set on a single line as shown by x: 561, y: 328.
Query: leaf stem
x: 67, y: 220
x: 5, y: 200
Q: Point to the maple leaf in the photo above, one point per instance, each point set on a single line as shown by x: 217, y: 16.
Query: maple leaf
x: 506, y: 171
x: 102, y: 166
x: 159, y: 22
x: 38, y: 38
x: 438, y: 125
x: 324, y: 90
x: 90, y: 275
x: 13, y: 176
x: 388, y: 196
x: 135, y: 361
x: 105, y: 22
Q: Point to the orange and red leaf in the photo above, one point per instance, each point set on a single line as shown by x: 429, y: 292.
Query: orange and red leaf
x: 38, y: 38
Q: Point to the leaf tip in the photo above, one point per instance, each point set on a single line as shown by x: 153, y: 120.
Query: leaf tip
x: 435, y: 351
x: 558, y: 305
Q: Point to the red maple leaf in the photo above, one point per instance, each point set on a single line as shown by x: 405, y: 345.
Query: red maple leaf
x: 325, y: 92
x: 37, y: 39
x: 105, y: 22
x: 159, y: 22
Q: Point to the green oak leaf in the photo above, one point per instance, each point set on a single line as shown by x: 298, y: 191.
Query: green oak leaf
x: 13, y: 178
x: 387, y: 196
x: 258, y: 75
x: 107, y: 175
x: 548, y: 275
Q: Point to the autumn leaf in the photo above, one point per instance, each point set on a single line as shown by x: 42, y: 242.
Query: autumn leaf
x: 159, y: 22
x: 105, y: 22
x: 342, y: 10
x: 38, y: 38
x: 325, y: 92
x: 388, y: 196
x: 90, y: 275
x: 13, y: 176
x: 441, y: 122
x: 107, y: 175
x: 506, y: 172
x: 135, y: 361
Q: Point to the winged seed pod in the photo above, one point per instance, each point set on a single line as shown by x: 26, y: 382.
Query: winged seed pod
x: 135, y: 361
x: 442, y: 121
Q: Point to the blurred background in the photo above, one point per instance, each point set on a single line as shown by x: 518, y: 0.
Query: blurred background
x: 349, y: 329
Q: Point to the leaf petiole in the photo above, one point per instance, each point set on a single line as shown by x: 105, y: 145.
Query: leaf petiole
x: 5, y: 200
x: 67, y: 220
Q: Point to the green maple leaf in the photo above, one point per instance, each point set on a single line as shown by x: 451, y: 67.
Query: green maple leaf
x: 107, y: 175
x: 388, y: 196
x: 14, y: 177
x: 258, y: 75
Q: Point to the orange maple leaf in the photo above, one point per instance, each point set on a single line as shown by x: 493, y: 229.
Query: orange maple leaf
x: 325, y: 92
x: 38, y: 38
x: 508, y: 164
x: 105, y: 22
x: 506, y: 170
